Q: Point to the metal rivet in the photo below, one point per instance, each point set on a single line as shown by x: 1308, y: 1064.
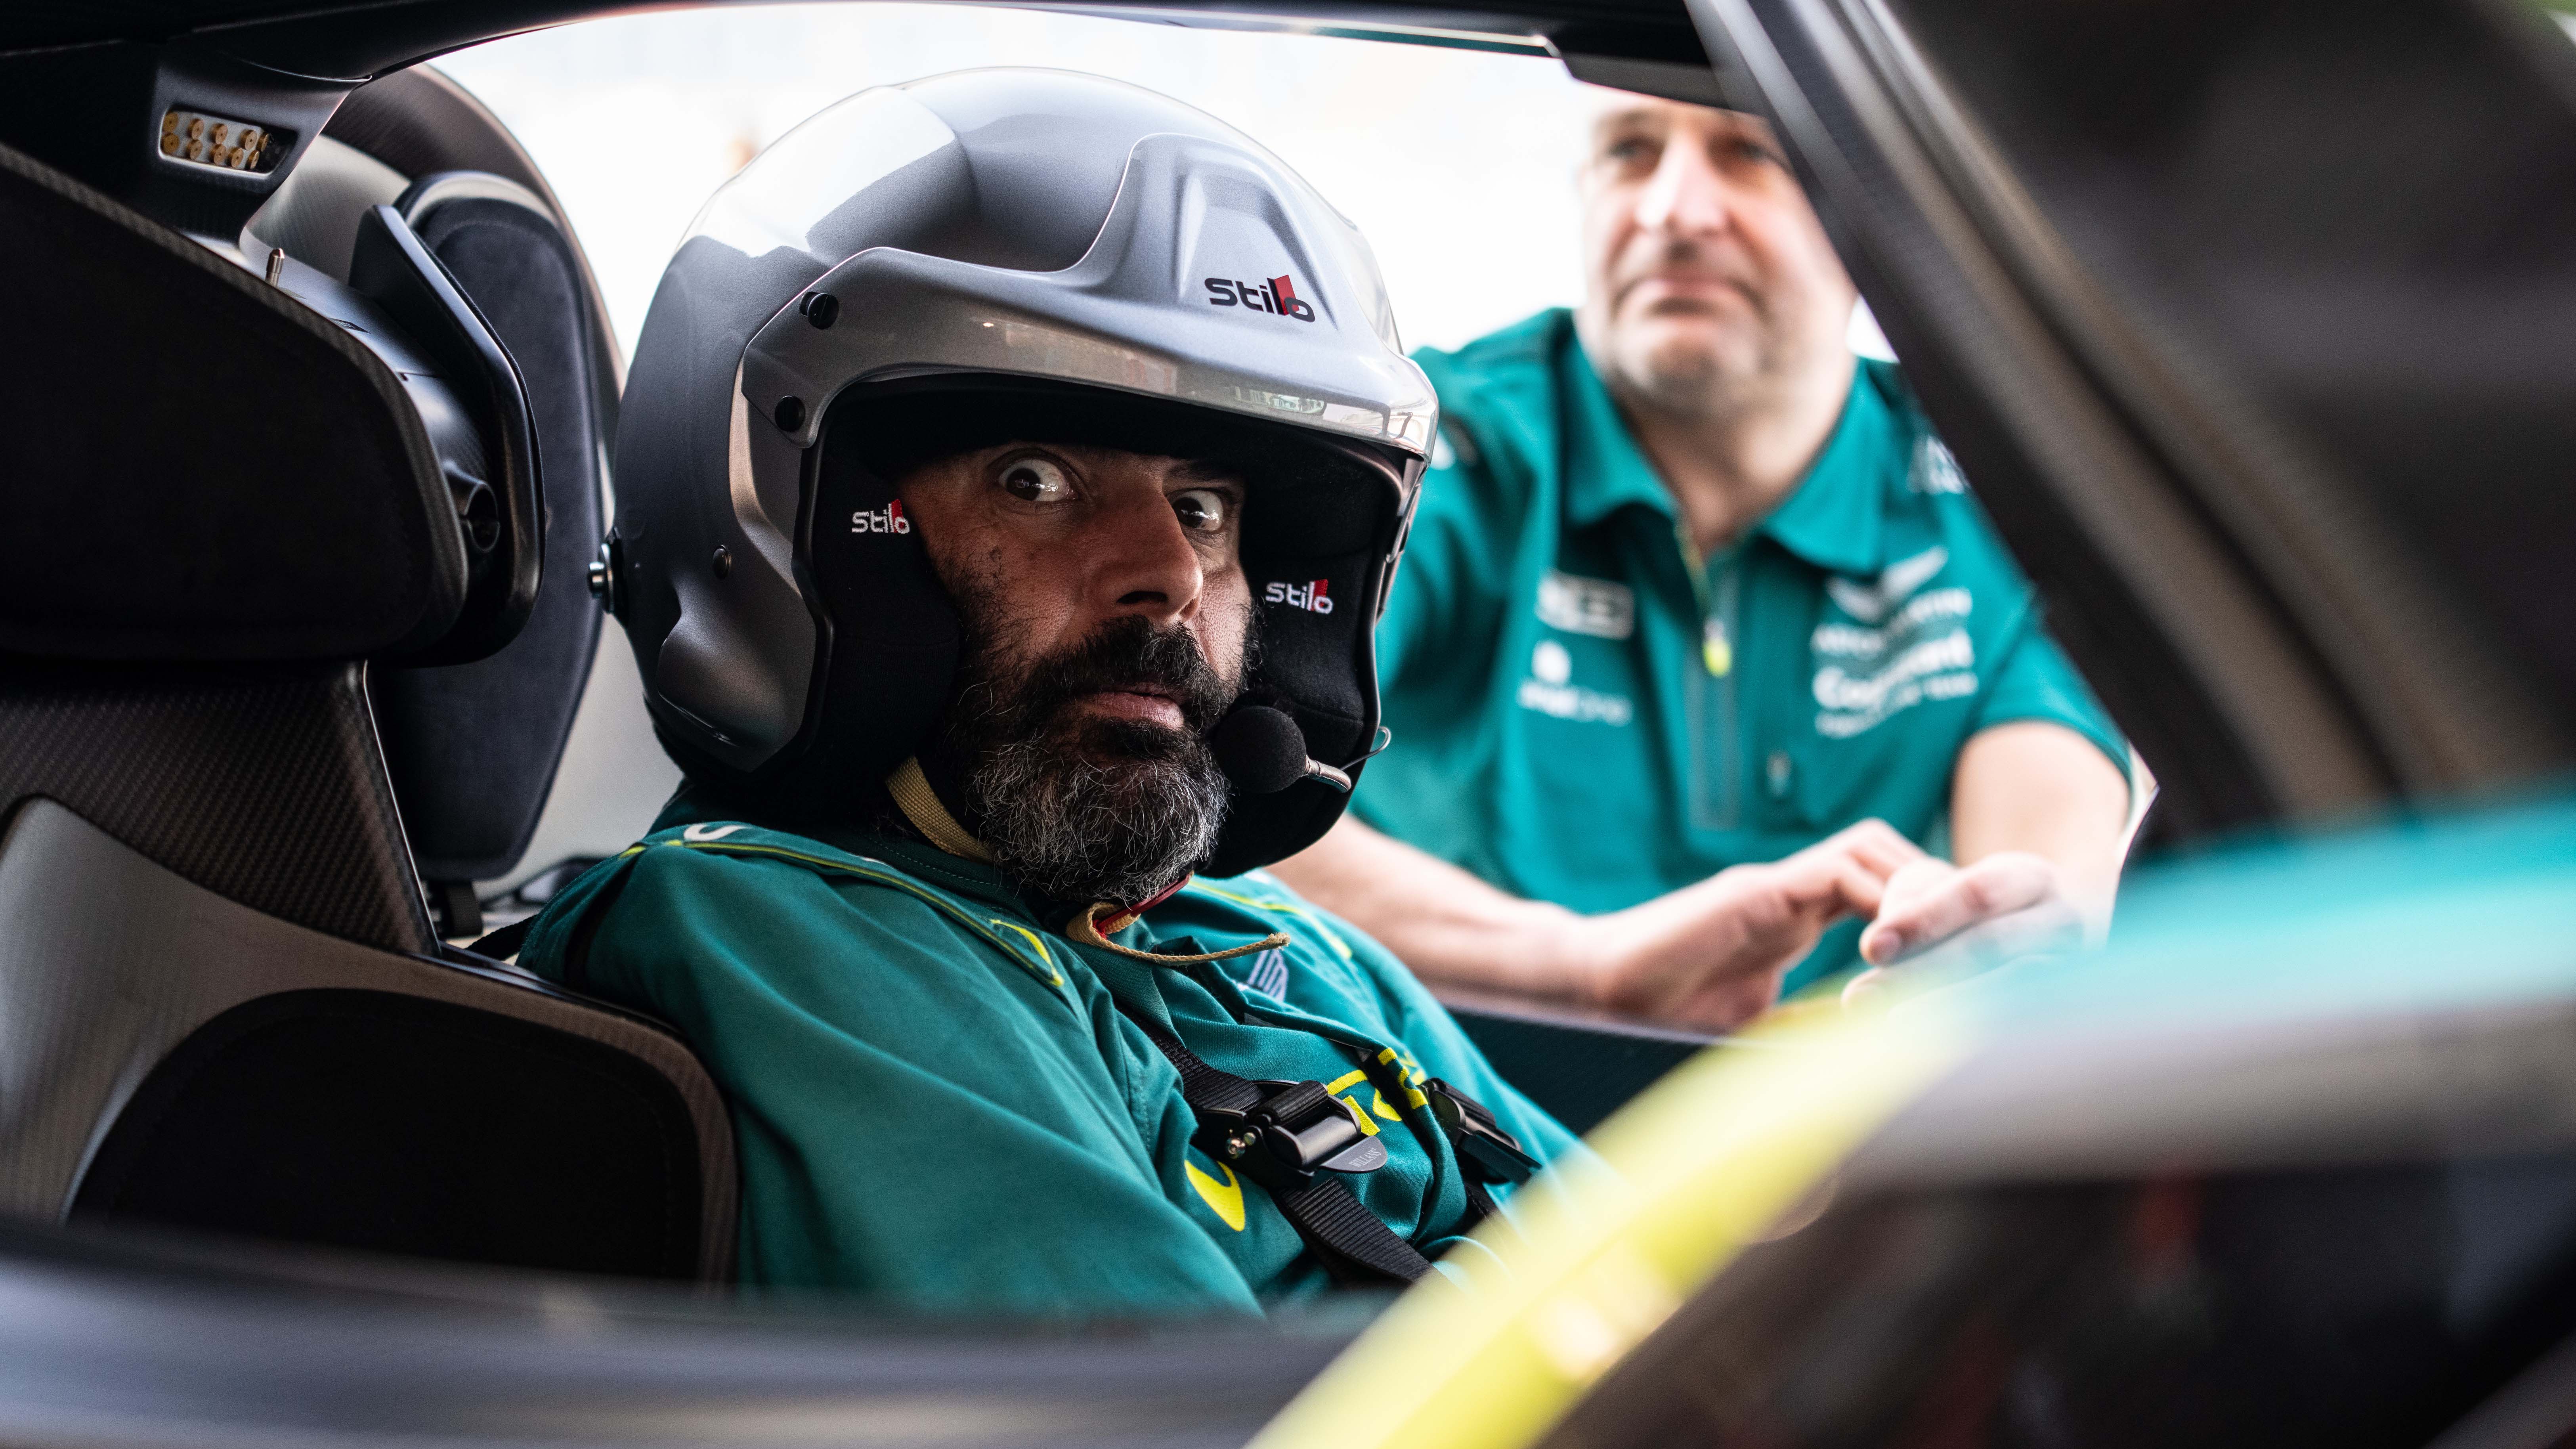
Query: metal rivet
x: 821, y: 308
x: 790, y: 414
x: 724, y: 561
x: 603, y: 572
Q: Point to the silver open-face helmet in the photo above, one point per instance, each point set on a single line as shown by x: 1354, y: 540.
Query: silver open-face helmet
x: 1033, y: 254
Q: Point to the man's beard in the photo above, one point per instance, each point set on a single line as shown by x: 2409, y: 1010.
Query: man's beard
x: 1075, y: 807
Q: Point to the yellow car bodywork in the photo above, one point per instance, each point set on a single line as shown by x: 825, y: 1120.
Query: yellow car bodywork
x: 1744, y: 1135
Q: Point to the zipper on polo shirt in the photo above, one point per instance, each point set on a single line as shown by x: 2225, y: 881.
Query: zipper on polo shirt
x: 1716, y: 769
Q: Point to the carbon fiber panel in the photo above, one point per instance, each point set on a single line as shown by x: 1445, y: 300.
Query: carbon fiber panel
x: 266, y: 788
x: 110, y: 965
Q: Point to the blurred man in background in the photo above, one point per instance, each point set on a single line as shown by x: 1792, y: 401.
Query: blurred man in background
x: 1693, y: 590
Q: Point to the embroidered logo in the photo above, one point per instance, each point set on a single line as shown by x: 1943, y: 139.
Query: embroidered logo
x: 1550, y: 690
x: 1898, y: 646
x: 1934, y: 470
x: 1579, y: 605
x: 1870, y: 602
x: 1268, y: 974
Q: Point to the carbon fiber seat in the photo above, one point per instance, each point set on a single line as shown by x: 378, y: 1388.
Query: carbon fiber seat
x: 224, y: 1005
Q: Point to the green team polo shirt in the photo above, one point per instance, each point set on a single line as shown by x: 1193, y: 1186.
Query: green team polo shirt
x: 938, y: 1101
x: 1585, y: 713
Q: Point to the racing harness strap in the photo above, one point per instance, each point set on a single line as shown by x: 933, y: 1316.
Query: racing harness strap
x: 1291, y: 1137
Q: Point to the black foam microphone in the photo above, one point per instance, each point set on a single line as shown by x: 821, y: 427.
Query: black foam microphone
x: 1263, y: 752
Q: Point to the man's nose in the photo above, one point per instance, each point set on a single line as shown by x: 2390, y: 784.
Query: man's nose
x: 1685, y: 196
x: 1143, y: 562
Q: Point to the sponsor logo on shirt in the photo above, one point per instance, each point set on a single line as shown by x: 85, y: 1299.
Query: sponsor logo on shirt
x: 888, y: 519
x: 1277, y: 296
x: 1224, y: 1199
x: 1310, y: 597
x: 1869, y: 602
x: 1268, y: 974
x: 1934, y: 470
x: 1551, y: 691
x: 1856, y: 642
x: 1897, y: 648
x: 1579, y: 605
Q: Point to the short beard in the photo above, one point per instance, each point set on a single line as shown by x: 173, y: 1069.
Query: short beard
x: 1728, y: 374
x: 1080, y: 809
x: 1687, y: 378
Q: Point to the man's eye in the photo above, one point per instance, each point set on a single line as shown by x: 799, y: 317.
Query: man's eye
x: 1201, y: 510
x: 1634, y: 151
x: 1036, y: 480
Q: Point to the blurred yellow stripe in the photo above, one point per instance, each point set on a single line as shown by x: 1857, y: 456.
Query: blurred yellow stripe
x: 1695, y: 1169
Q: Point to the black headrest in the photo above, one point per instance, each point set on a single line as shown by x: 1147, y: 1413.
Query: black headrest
x: 195, y: 466
x: 473, y: 748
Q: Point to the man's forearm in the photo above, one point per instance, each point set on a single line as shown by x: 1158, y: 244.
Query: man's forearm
x: 2046, y: 790
x: 1449, y: 926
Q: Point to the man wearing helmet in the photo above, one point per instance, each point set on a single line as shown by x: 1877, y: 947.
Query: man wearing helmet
x: 976, y: 438
x: 1012, y: 466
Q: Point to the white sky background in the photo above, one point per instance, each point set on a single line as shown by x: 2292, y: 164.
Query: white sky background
x: 1457, y: 165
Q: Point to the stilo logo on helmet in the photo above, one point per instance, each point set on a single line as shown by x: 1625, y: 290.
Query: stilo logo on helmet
x: 888, y: 519
x: 1275, y: 296
x: 1311, y: 597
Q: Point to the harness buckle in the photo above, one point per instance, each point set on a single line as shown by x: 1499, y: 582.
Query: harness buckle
x: 1296, y: 1130
x: 1477, y: 1136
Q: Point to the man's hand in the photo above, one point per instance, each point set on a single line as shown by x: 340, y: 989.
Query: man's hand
x: 2006, y: 907
x: 1713, y: 954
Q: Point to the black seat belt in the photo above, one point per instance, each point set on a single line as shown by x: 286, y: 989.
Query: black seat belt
x: 504, y: 943
x: 1486, y: 1153
x: 1285, y: 1139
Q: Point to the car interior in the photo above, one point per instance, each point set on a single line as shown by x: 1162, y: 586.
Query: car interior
x: 318, y: 777
x: 230, y: 873
x: 320, y: 390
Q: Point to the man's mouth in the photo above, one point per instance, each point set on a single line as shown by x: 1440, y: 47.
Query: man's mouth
x: 1146, y: 703
x: 1692, y: 291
